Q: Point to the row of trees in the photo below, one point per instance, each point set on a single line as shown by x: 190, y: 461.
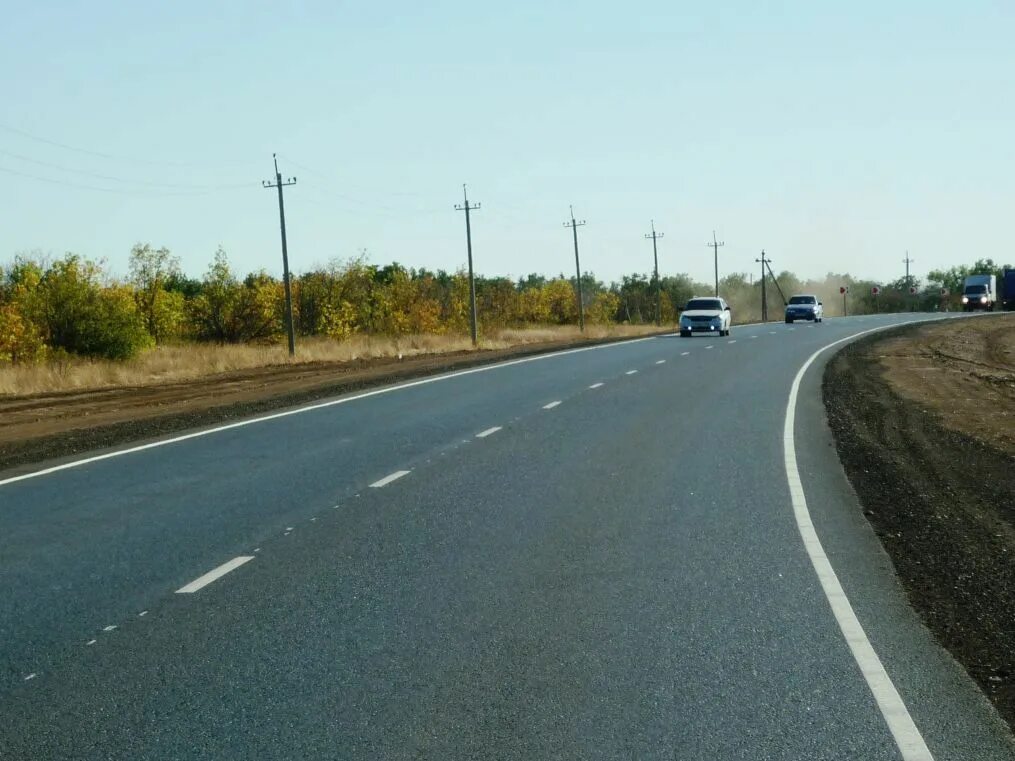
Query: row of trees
x: 71, y: 306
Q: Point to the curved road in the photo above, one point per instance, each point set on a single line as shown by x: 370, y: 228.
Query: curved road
x: 592, y: 554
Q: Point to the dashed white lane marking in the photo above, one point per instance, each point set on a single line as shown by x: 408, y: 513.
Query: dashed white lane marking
x: 630, y: 372
x: 288, y: 528
x: 91, y: 642
x: 661, y: 362
x: 488, y: 432
x: 109, y: 628
x: 753, y: 336
x: 31, y: 676
x: 551, y: 405
x: 907, y: 737
x: 388, y: 479
x: 772, y: 332
x: 595, y: 385
x: 709, y: 347
x: 313, y: 407
x: 142, y: 614
x: 203, y: 581
x: 684, y: 353
x: 733, y: 341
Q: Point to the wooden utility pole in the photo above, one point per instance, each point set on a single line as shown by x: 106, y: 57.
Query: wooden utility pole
x: 289, y: 328
x: 472, y: 278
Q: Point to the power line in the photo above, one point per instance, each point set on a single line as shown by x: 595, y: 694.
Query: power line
x: 111, y: 156
x: 574, y: 225
x: 322, y: 176
x: 655, y: 256
x: 115, y: 191
x: 111, y: 178
x: 369, y: 205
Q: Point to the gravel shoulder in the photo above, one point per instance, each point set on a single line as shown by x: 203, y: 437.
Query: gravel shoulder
x: 924, y: 422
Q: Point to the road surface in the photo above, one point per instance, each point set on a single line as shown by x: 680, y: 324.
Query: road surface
x: 592, y: 554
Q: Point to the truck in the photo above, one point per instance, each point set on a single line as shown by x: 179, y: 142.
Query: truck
x: 979, y: 292
x: 1008, y: 289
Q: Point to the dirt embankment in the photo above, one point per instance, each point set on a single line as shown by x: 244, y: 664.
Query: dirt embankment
x: 924, y: 421
x: 43, y: 426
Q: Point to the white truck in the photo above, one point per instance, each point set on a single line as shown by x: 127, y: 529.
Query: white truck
x: 979, y: 292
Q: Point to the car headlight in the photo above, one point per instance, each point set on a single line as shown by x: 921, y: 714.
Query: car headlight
x: 983, y: 299
x: 965, y: 299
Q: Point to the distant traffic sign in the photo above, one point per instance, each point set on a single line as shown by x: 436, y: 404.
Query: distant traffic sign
x: 875, y: 290
x: 944, y: 291
x: 912, y: 290
x: 843, y: 289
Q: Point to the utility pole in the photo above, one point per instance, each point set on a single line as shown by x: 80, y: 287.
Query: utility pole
x: 715, y: 244
x: 285, y: 255
x: 909, y: 283
x: 655, y: 257
x: 472, y: 279
x: 578, y: 269
x: 775, y: 281
x: 908, y: 261
x: 764, y: 294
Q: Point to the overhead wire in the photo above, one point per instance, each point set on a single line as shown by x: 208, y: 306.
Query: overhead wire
x: 111, y: 178
x: 115, y: 191
x: 112, y: 156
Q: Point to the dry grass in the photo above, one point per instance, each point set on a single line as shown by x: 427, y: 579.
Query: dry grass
x: 171, y: 364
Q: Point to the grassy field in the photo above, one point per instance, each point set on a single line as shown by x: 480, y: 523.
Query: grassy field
x: 184, y: 362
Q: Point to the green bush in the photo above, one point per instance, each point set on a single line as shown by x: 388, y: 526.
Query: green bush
x: 76, y: 313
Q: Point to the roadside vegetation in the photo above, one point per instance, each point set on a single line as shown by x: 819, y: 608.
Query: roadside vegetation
x: 68, y: 323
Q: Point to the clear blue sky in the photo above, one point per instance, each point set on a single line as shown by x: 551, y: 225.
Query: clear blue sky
x: 835, y: 136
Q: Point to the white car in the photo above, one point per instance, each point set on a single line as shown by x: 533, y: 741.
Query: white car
x: 706, y: 314
x: 804, y: 307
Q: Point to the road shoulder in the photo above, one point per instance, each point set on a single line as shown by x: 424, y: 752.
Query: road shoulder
x: 940, y: 501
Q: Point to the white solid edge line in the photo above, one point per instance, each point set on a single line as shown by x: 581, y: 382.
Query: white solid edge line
x: 318, y: 406
x: 388, y: 479
x: 551, y: 405
x: 208, y: 578
x: 907, y: 737
x: 487, y: 432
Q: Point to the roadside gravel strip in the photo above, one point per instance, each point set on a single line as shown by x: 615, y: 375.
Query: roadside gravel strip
x: 942, y: 503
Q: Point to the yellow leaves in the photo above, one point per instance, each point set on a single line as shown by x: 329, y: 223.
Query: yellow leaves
x: 19, y: 339
x: 561, y: 301
x: 603, y: 309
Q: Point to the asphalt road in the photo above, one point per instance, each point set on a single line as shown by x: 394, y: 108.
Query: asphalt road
x: 618, y: 575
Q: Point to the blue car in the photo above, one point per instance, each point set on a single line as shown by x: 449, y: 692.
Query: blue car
x: 804, y: 307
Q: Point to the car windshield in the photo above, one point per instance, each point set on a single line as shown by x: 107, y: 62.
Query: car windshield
x: 976, y: 289
x: 802, y: 300
x: 707, y: 304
